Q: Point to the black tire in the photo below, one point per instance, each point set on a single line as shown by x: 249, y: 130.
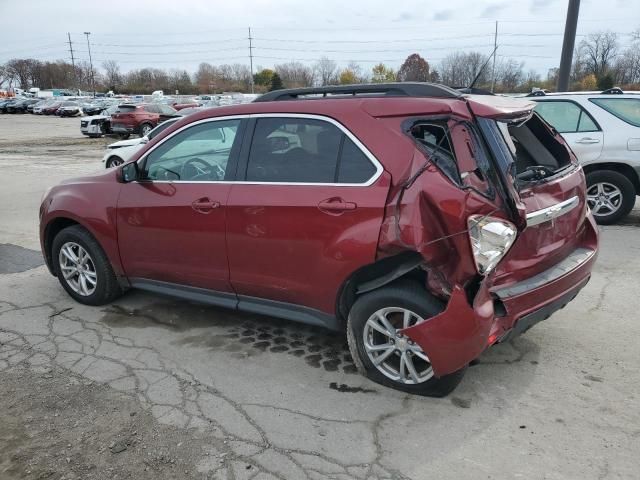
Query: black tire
x: 146, y: 126
x: 623, y: 184
x: 124, y: 136
x: 404, y: 294
x: 114, y: 161
x: 107, y: 288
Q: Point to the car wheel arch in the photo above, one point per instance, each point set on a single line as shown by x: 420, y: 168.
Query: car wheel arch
x: 376, y: 275
x: 622, y: 168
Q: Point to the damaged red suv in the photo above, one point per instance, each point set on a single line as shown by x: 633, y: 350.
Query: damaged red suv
x: 425, y: 223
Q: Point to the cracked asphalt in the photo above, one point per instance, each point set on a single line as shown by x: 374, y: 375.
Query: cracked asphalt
x: 151, y: 387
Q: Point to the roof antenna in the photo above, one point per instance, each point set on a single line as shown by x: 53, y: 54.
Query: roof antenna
x: 470, y: 87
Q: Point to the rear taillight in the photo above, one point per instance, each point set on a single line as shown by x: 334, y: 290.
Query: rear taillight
x: 491, y: 238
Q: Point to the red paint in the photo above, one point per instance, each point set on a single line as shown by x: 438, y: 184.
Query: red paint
x: 300, y: 243
x: 130, y: 121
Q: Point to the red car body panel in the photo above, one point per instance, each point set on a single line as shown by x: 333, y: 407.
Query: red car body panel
x: 283, y: 247
x: 273, y: 241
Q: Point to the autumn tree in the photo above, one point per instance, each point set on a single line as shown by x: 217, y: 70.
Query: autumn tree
x: 414, y: 69
x: 263, y: 77
x: 381, y: 74
x: 295, y: 74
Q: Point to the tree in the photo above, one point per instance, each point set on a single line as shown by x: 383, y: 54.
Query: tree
x: 598, y: 51
x: 381, y: 74
x: 605, y: 81
x: 326, y: 71
x: 458, y: 69
x: 414, y: 69
x: 589, y: 82
x: 509, y: 74
x: 20, y: 70
x: 276, y: 82
x: 295, y: 74
x: 112, y: 75
x: 263, y: 77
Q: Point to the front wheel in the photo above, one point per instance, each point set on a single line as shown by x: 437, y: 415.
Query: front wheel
x: 83, y: 268
x: 386, y: 356
x: 610, y: 195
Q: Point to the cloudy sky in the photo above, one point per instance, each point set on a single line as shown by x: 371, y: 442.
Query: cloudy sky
x: 181, y: 34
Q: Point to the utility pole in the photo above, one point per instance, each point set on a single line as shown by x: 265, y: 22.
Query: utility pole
x: 251, y: 58
x: 93, y: 84
x: 567, y: 45
x: 495, y: 47
x: 73, y: 61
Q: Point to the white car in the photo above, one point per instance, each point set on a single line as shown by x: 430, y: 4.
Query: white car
x: 603, y: 130
x: 97, y: 125
x: 119, y: 152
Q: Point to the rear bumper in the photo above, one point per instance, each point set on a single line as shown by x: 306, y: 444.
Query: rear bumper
x: 464, y: 330
x: 120, y: 128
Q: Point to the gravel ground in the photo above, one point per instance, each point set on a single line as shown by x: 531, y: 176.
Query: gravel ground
x: 151, y: 387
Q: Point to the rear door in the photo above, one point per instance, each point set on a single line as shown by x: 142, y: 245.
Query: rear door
x: 576, y: 125
x: 307, y: 214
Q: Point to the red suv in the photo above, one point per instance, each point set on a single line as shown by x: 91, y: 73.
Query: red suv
x: 139, y: 118
x: 425, y: 223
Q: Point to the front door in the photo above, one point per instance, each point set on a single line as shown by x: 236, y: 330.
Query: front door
x: 308, y: 213
x: 171, y: 223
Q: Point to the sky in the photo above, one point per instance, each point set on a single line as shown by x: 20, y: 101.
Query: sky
x: 181, y: 34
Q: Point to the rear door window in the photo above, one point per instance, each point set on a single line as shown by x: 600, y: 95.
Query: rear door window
x: 626, y: 109
x: 302, y: 150
x: 566, y: 117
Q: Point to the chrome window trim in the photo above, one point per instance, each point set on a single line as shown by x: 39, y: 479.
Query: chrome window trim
x: 340, y: 126
x: 554, y: 211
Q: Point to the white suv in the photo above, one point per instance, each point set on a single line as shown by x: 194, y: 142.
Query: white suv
x: 119, y: 152
x: 603, y: 129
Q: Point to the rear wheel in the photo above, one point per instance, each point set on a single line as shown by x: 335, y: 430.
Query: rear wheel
x: 610, y: 195
x: 114, y: 162
x: 83, y: 268
x: 124, y: 136
x: 386, y: 356
x: 145, y: 128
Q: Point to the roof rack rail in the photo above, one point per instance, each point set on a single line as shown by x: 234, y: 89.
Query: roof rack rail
x: 613, y: 91
x: 399, y: 89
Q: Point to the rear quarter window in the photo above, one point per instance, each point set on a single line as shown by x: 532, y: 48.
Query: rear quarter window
x: 626, y: 109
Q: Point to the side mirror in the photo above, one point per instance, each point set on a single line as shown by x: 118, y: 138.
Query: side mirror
x: 129, y: 172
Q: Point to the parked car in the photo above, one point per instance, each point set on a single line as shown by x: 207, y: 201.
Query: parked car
x: 52, y: 108
x: 402, y: 213
x: 97, y: 125
x: 20, y: 105
x: 90, y: 109
x: 3, y: 104
x: 39, y: 107
x: 139, y: 118
x: 603, y: 130
x: 119, y: 152
x: 69, y: 109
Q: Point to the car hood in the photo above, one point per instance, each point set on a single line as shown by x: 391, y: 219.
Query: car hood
x: 125, y: 143
x: 101, y: 176
x: 95, y: 117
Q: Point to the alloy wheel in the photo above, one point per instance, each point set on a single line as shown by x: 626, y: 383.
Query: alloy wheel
x: 78, y: 269
x: 114, y: 162
x: 604, y: 198
x: 145, y: 129
x: 395, y: 355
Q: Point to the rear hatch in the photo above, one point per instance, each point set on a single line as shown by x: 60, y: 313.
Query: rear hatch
x: 543, y: 179
x: 124, y: 114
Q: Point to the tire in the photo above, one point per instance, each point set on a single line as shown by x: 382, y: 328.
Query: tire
x: 124, y: 136
x: 145, y: 128
x: 106, y: 287
x: 114, y: 162
x: 613, y: 188
x: 411, y: 296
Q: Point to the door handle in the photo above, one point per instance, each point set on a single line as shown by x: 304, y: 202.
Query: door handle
x: 336, y: 206
x: 204, y: 205
x: 588, y: 140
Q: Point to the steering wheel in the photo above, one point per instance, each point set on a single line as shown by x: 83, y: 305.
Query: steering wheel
x: 196, y: 168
